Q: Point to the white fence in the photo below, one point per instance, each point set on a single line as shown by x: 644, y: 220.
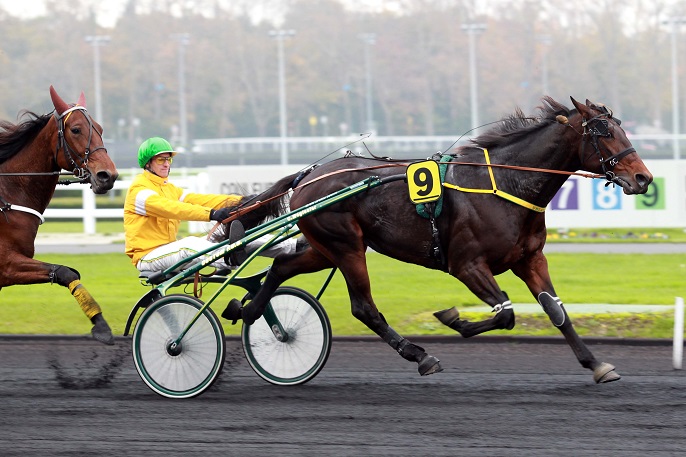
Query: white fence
x: 89, y: 213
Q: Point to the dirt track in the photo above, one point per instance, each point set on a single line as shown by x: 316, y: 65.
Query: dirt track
x: 74, y: 397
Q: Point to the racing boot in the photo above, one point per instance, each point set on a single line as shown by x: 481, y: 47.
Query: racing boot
x: 233, y: 311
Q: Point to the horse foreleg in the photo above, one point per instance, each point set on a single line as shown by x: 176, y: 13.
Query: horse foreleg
x: 504, y: 319
x: 536, y: 276
x: 71, y: 279
x: 481, y: 283
x: 25, y: 270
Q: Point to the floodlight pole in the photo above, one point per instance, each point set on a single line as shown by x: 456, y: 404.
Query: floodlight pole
x: 281, y: 35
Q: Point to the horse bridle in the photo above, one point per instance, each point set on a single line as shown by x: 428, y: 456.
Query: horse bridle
x: 80, y: 170
x: 599, y: 126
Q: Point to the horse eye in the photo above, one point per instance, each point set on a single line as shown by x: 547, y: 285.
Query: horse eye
x: 76, y: 130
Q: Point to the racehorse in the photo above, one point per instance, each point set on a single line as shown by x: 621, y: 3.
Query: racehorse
x: 33, y: 153
x: 524, y: 160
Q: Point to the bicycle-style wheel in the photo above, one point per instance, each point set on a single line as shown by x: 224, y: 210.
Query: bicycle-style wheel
x: 302, y: 353
x: 193, y: 365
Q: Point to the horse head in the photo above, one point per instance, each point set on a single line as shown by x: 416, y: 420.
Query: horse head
x: 80, y: 146
x: 606, y: 149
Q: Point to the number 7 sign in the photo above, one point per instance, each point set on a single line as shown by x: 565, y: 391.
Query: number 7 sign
x: 567, y: 197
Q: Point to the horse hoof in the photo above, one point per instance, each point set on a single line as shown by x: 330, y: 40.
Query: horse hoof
x: 429, y: 365
x: 101, y: 331
x: 605, y: 373
x: 448, y: 316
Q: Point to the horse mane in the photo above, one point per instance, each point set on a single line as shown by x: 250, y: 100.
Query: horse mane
x: 14, y: 137
x: 518, y: 125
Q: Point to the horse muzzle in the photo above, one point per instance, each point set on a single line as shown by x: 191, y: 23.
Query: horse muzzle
x: 637, y: 184
x: 102, y: 181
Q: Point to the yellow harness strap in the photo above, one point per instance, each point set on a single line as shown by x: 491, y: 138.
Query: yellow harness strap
x: 88, y: 304
x: 495, y: 190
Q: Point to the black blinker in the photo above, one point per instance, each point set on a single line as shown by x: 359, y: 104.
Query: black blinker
x: 600, y: 127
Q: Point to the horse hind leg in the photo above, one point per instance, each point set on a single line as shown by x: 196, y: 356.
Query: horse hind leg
x: 353, y: 266
x: 426, y: 363
x: 284, y: 267
x: 504, y: 319
x: 71, y: 279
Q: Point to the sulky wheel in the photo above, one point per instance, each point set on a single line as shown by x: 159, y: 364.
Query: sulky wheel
x: 290, y: 343
x: 189, y: 368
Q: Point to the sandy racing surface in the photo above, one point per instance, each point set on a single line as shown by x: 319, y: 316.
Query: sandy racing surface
x: 75, y: 397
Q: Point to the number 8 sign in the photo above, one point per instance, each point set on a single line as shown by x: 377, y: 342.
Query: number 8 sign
x: 606, y: 197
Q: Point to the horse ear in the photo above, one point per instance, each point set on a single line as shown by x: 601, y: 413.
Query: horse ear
x: 574, y: 102
x: 82, y: 100
x: 580, y: 107
x: 59, y: 104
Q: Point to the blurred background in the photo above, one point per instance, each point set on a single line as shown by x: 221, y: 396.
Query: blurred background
x: 290, y: 81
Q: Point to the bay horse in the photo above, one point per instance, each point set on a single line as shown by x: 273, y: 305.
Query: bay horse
x: 524, y: 160
x: 33, y: 153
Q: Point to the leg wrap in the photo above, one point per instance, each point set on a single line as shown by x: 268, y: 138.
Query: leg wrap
x: 63, y: 275
x: 393, y: 339
x: 553, y: 308
x: 507, y: 304
x: 88, y: 304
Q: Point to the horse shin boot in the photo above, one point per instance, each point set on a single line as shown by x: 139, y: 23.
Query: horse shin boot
x: 553, y: 308
x: 427, y: 364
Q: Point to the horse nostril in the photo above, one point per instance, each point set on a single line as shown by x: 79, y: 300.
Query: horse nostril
x: 642, y: 180
x: 104, y: 176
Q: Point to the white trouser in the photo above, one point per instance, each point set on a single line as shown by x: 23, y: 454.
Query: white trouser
x: 167, y: 255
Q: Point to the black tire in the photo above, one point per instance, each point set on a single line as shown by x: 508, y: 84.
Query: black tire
x: 195, y: 365
x: 304, y: 353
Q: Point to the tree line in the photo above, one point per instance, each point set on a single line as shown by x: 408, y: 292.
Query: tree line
x: 408, y: 67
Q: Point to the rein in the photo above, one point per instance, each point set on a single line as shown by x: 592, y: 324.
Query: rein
x: 246, y: 209
x: 50, y: 173
x: 597, y: 126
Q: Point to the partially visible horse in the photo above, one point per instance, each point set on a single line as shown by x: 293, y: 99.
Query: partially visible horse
x: 33, y: 152
x: 523, y: 160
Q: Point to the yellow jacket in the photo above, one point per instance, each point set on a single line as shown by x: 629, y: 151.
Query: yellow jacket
x: 154, y: 208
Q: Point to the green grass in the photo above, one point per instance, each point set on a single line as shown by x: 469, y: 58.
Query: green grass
x: 406, y: 294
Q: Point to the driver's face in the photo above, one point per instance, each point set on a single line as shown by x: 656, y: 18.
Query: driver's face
x: 161, y: 164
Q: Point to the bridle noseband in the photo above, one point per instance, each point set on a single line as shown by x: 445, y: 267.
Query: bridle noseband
x: 599, y: 126
x: 80, y: 169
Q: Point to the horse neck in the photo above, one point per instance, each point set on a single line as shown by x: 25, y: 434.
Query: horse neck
x: 38, y: 156
x: 553, y: 148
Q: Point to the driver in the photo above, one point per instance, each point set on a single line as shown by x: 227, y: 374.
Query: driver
x: 154, y: 208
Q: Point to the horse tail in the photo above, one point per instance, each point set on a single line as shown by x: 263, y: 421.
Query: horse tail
x: 253, y: 210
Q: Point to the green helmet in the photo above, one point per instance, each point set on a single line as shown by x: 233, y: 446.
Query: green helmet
x: 151, y: 147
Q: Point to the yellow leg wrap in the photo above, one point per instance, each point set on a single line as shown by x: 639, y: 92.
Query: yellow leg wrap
x: 88, y: 304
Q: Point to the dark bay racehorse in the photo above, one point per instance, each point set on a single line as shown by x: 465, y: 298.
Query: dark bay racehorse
x: 32, y: 154
x: 479, y: 234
